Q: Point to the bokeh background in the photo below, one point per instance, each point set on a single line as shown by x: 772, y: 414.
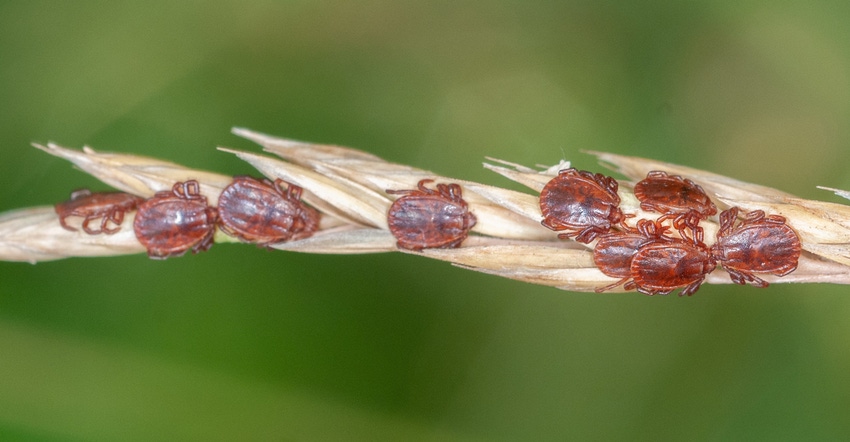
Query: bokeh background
x: 245, y: 344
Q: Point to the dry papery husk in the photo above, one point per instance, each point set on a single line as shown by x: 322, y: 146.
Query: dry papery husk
x: 349, y: 187
x: 34, y: 234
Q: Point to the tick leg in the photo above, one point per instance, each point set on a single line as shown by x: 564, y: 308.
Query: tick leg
x: 775, y: 219
x: 550, y: 224
x: 399, y: 192
x: 649, y: 206
x: 587, y: 235
x: 727, y: 220
x: 691, y: 288
x: 625, y: 226
x: 736, y: 277
x: 65, y: 226
x: 455, y: 194
x: 191, y: 188
x: 754, y: 280
x: 567, y: 235
x: 205, y: 243
x: 292, y: 192
x: 116, y: 216
x: 754, y: 216
x: 86, y: 225
x: 650, y: 229
x: 758, y: 282
x: 612, y: 286
x: 422, y: 187
x: 650, y: 292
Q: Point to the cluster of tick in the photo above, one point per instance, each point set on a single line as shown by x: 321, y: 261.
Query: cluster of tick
x: 261, y: 212
x: 645, y: 256
x: 176, y: 221
x: 652, y: 256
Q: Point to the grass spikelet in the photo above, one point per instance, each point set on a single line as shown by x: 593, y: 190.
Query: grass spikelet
x: 34, y: 234
x: 137, y: 174
x: 350, y: 188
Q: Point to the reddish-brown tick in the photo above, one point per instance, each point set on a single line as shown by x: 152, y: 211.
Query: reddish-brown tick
x: 265, y: 213
x: 672, y: 194
x: 582, y: 203
x: 657, y: 264
x: 758, y: 244
x: 427, y: 218
x: 175, y: 221
x: 663, y: 266
x: 108, y: 207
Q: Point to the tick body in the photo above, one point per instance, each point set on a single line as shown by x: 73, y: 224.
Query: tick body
x: 265, y: 213
x: 425, y: 218
x: 661, y: 267
x: 582, y: 204
x: 173, y: 222
x: 672, y: 194
x: 758, y: 244
x: 107, y: 207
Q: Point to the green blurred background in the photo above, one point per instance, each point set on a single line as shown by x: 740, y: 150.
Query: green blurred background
x: 245, y: 344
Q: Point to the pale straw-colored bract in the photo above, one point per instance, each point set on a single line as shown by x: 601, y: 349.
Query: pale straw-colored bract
x: 349, y: 187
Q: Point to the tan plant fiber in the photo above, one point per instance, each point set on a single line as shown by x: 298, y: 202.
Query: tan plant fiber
x: 350, y: 188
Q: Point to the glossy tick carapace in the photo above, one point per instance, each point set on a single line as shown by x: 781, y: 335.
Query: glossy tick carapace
x: 649, y: 261
x: 758, y: 244
x: 660, y: 267
x: 175, y: 221
x: 672, y: 194
x: 106, y: 207
x: 582, y: 204
x: 430, y: 218
x: 265, y: 213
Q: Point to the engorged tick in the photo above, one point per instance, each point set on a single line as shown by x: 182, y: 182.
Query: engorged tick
x: 175, y: 221
x: 758, y: 244
x: 108, y: 207
x: 581, y: 203
x: 426, y: 218
x: 265, y: 213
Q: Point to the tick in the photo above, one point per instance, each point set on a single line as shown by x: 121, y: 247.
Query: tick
x: 581, y: 203
x: 107, y: 207
x: 424, y: 218
x: 265, y: 213
x: 653, y: 263
x: 660, y: 267
x: 175, y: 221
x: 672, y: 194
x: 758, y: 244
